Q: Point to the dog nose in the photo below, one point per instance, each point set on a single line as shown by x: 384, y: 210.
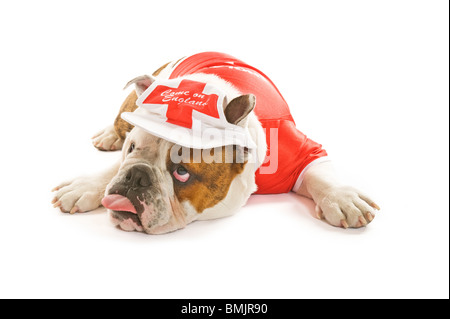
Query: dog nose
x: 138, y: 176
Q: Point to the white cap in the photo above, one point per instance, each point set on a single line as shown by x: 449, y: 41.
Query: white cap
x: 187, y: 113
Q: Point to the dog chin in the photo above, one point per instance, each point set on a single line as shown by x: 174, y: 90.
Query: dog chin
x: 126, y: 221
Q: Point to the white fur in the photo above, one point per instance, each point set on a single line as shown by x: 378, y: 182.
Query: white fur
x: 336, y: 202
x: 107, y: 139
x: 165, y: 73
x: 84, y: 193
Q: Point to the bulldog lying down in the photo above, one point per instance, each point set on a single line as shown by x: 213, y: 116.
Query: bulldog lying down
x: 200, y: 136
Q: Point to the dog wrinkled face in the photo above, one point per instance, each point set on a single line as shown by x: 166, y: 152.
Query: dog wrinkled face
x: 156, y: 191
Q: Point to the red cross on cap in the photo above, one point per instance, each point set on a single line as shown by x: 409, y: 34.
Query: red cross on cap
x: 182, y: 100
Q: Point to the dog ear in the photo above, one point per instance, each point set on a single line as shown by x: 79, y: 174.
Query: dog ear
x: 142, y: 83
x: 239, y: 108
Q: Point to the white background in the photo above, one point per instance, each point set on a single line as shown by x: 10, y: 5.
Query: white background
x: 367, y: 79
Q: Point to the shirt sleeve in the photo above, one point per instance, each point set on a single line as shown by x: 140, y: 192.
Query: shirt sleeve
x: 291, y: 152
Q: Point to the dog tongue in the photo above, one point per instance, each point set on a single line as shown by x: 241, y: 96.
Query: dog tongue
x: 118, y: 202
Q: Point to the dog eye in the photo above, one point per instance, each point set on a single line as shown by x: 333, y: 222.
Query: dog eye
x: 181, y: 174
x: 131, y: 149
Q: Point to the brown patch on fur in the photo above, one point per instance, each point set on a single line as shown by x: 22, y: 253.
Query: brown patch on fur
x: 208, y: 183
x: 129, y: 105
x: 157, y: 72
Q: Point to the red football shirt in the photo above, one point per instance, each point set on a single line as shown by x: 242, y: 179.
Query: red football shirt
x: 294, y: 152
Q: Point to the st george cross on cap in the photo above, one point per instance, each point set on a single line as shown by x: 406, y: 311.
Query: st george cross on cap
x: 187, y: 113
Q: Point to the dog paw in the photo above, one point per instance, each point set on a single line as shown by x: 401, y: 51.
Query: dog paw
x: 78, y: 196
x: 346, y: 207
x: 107, y: 140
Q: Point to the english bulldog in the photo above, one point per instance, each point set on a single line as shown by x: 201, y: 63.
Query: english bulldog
x: 198, y: 137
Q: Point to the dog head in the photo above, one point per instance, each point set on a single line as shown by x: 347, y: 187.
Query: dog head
x: 161, y: 186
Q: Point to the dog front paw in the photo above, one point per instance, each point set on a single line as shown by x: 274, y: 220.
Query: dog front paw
x: 346, y: 207
x: 107, y: 140
x: 80, y: 195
